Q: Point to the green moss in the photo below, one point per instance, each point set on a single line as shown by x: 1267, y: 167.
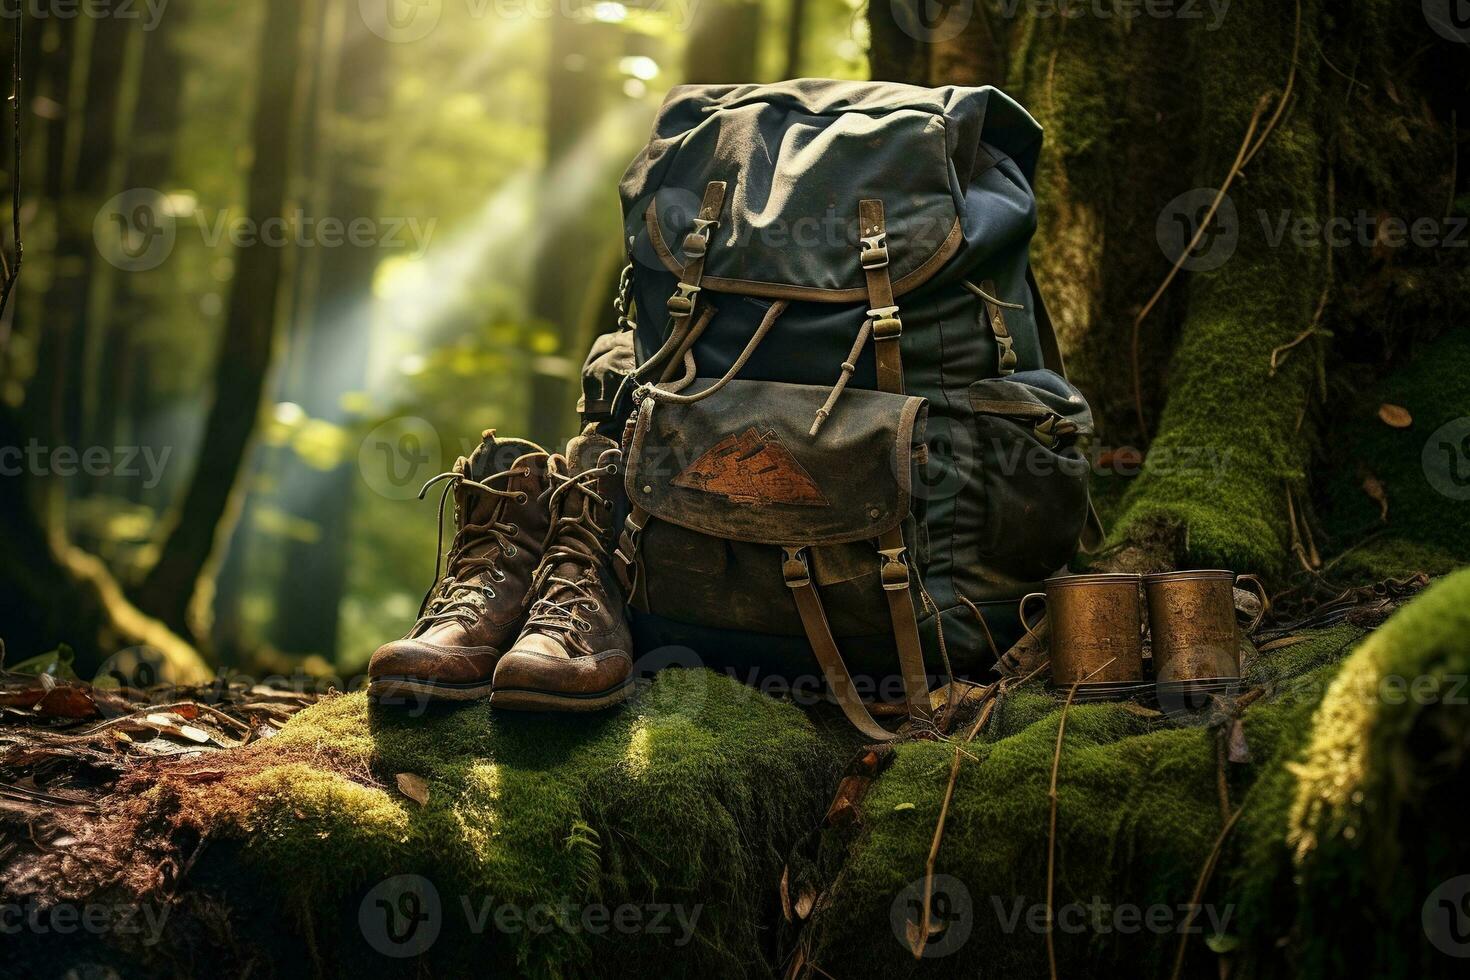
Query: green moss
x: 1426, y: 529
x: 1381, y: 782
x: 691, y: 796
x: 1320, y: 877
x: 1229, y: 442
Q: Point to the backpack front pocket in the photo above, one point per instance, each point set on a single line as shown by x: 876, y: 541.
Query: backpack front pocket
x: 728, y: 481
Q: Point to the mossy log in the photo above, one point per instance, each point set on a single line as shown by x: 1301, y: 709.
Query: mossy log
x: 1340, y: 774
x: 612, y: 844
x: 521, y: 838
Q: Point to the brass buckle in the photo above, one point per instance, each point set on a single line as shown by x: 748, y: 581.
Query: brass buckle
x: 886, y: 324
x: 627, y: 548
x: 681, y: 303
x: 696, y: 243
x: 795, y: 568
x: 875, y: 251
x: 895, y: 570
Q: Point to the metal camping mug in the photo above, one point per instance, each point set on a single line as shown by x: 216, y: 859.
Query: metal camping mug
x: 1096, y: 626
x: 1191, y: 616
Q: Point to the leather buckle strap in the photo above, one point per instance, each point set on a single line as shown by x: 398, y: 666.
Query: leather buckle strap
x: 796, y: 569
x: 625, y: 554
x: 874, y: 251
x: 696, y: 243
x: 886, y: 324
x: 894, y: 572
x: 681, y: 301
x: 887, y: 327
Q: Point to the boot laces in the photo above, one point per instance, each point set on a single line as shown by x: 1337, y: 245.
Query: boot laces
x: 451, y: 597
x: 574, y: 539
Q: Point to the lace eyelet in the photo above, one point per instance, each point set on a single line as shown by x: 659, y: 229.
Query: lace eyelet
x: 512, y: 529
x: 497, y: 576
x: 522, y: 497
x: 512, y: 551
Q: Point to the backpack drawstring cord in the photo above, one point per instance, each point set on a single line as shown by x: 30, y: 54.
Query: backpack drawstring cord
x: 848, y: 367
x: 673, y: 397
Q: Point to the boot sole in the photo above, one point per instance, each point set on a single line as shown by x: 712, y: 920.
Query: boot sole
x: 407, y: 687
x: 525, y: 699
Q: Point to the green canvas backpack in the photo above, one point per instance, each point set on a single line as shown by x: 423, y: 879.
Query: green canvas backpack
x: 849, y: 433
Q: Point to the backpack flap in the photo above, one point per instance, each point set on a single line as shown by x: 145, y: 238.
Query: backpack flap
x: 798, y: 157
x: 742, y: 465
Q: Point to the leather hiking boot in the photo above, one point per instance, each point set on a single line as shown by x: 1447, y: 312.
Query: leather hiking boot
x: 474, y: 611
x: 575, y: 652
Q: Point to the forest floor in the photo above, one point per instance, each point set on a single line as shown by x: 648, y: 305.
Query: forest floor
x: 707, y: 828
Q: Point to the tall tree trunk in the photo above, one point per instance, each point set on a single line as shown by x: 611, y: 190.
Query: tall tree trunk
x: 152, y: 141
x: 575, y: 89
x: 722, y: 46
x: 80, y: 159
x: 230, y: 642
x: 795, y: 38
x: 335, y: 351
x: 246, y: 345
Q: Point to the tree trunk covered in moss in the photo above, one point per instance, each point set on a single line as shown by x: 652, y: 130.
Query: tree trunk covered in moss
x: 1145, y: 118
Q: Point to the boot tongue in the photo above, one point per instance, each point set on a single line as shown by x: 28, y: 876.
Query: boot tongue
x: 496, y: 455
x: 583, y: 451
x: 492, y: 456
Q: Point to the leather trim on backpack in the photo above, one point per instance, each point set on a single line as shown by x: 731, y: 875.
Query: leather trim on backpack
x: 816, y: 294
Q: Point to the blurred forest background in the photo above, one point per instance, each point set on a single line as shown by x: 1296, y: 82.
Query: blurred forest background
x: 450, y: 247
x: 285, y: 259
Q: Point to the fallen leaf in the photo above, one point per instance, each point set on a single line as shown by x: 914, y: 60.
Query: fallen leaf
x: 897, y: 807
x: 414, y: 787
x: 804, y: 902
x: 786, y: 893
x: 1374, y: 488
x: 1396, y: 416
x: 52, y: 701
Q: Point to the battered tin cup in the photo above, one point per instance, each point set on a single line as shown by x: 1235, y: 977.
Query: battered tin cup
x: 1192, y: 620
x: 1092, y: 619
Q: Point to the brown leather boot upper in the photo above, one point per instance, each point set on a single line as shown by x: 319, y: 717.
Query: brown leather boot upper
x: 474, y: 611
x: 575, y: 651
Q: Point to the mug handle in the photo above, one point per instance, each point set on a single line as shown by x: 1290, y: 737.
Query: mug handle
x: 1021, y: 613
x: 1250, y: 583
